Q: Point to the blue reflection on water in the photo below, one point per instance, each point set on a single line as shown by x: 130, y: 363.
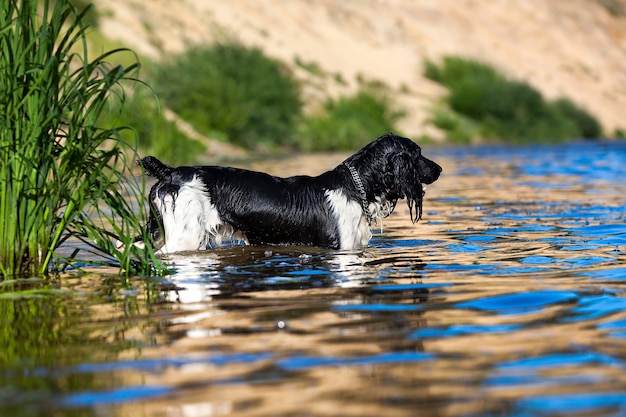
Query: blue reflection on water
x: 565, y: 404
x: 552, y: 370
x: 592, y: 161
x: 520, y: 302
x: 598, y: 306
x: 535, y: 364
x: 116, y: 396
x: 159, y: 364
x: 407, y: 287
x: 462, y: 330
x: 377, y: 308
x: 613, y: 274
x: 304, y: 362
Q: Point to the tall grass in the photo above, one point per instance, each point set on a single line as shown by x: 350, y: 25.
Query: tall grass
x: 60, y: 174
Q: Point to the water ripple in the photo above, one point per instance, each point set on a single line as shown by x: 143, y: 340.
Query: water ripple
x: 520, y: 302
x: 507, y: 298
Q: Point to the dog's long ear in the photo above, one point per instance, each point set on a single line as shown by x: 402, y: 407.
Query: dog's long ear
x: 407, y: 182
x: 156, y: 168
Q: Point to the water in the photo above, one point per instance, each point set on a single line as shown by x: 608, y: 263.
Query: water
x: 508, y: 298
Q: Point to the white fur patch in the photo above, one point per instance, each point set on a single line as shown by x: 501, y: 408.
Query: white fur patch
x: 191, y: 221
x: 380, y: 210
x: 354, y: 231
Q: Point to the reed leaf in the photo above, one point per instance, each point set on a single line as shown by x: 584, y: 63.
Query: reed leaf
x: 64, y: 180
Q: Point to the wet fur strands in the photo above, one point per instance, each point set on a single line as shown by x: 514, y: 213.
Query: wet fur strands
x: 201, y: 206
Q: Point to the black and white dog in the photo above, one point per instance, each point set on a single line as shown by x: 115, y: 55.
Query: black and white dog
x: 198, y: 207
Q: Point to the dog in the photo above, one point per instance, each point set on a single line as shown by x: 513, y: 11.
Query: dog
x: 198, y: 207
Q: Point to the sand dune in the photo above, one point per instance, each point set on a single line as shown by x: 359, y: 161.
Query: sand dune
x: 571, y: 48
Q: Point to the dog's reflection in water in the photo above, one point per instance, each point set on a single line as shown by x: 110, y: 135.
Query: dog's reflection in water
x: 201, y: 276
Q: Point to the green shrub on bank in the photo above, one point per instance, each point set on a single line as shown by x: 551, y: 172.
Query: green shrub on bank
x: 460, y: 129
x: 506, y: 109
x: 587, y: 125
x: 232, y: 91
x: 348, y: 123
x: 60, y: 172
x: 155, y: 134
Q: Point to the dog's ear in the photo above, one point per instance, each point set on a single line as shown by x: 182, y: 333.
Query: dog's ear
x: 156, y: 168
x: 407, y: 182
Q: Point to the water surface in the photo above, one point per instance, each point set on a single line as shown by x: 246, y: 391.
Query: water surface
x: 508, y: 298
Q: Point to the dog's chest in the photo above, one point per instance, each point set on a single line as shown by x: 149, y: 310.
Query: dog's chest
x: 352, y: 225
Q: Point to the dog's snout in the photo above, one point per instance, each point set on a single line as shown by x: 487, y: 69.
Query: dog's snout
x: 430, y: 170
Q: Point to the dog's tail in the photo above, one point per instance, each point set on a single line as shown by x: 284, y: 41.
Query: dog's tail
x: 156, y: 168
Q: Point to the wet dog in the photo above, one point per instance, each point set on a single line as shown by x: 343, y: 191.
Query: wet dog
x: 198, y: 207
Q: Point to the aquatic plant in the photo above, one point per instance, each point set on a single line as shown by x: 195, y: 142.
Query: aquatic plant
x: 62, y: 177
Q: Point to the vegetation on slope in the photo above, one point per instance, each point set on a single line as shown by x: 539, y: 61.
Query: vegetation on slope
x: 232, y: 91
x: 237, y: 94
x: 350, y: 122
x: 483, y: 102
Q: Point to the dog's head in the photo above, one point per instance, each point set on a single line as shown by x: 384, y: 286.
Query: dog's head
x: 393, y: 167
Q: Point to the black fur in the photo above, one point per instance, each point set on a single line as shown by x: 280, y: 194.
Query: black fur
x: 295, y: 210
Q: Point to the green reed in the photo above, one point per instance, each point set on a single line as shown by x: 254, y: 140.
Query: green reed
x: 62, y: 177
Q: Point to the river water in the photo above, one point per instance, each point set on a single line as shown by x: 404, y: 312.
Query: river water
x: 508, y: 298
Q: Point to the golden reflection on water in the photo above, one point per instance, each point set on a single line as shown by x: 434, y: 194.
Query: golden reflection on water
x: 255, y: 339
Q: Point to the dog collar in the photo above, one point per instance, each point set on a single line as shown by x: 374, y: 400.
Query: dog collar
x: 361, y: 189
